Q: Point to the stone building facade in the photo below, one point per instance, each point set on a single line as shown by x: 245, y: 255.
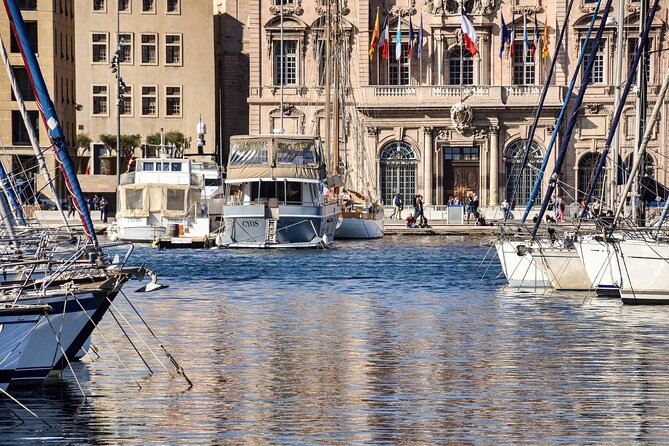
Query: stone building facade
x: 167, y: 66
x: 427, y: 131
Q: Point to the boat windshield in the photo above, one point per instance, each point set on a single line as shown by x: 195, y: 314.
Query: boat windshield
x: 300, y: 153
x: 249, y: 152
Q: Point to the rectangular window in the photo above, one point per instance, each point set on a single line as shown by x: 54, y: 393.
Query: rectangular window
x: 100, y: 48
x: 173, y: 101
x: 23, y: 82
x: 597, y: 74
x: 100, y: 100
x: 454, y: 68
x: 99, y: 5
x: 173, y: 7
x: 284, y: 2
x: 27, y: 5
x: 147, y: 166
x: 148, y: 6
x: 173, y: 49
x: 523, y: 65
x: 290, y: 66
x: 149, y: 49
x: 631, y: 51
x: 127, y: 101
x: 20, y: 134
x: 149, y: 101
x: 322, y: 67
x: 401, y: 66
x: 126, y: 48
x: 124, y: 5
x: 31, y: 29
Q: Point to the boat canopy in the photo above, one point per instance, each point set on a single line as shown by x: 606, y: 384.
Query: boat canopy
x: 138, y: 200
x: 253, y: 157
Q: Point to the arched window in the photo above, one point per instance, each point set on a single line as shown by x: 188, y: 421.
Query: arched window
x: 648, y: 168
x: 399, y: 166
x: 523, y: 185
x: 454, y: 68
x: 586, y: 167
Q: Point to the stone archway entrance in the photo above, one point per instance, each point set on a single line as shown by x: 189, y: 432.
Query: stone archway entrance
x: 461, y: 172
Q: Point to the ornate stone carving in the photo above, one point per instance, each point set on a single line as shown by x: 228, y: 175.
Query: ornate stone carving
x: 372, y: 131
x: 294, y: 9
x: 398, y: 11
x: 462, y: 116
x: 632, y: 6
x: 442, y: 134
x: 478, y: 7
x: 321, y: 7
x: 428, y: 130
x: 479, y: 133
x: 527, y: 10
x: 493, y: 129
x: 593, y: 107
x: 586, y: 8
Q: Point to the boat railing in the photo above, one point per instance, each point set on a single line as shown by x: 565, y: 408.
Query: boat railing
x: 263, y: 202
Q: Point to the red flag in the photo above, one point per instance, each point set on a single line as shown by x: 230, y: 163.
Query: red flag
x: 468, y: 34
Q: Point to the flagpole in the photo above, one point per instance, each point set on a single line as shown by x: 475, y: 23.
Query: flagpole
x: 461, y: 42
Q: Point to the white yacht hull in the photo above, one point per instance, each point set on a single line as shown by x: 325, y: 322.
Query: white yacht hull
x: 296, y: 227
x: 139, y: 231
x: 520, y: 268
x: 564, y: 269
x: 360, y: 225
x: 645, y: 271
x: 601, y: 265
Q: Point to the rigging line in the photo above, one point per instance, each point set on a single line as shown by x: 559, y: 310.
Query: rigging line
x: 104, y: 338
x: 558, y: 124
x: 65, y: 356
x: 177, y: 366
x: 137, y: 334
x: 130, y: 340
x: 557, y: 170
x: 614, y: 123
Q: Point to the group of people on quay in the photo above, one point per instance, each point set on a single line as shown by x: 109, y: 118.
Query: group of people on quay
x: 97, y: 203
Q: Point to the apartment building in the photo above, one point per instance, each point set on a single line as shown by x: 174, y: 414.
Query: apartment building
x: 166, y: 54
x: 50, y: 27
x: 451, y: 123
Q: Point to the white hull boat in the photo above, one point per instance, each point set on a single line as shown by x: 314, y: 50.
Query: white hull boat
x: 360, y: 225
x: 519, y: 266
x: 564, y: 268
x: 601, y: 264
x: 645, y: 271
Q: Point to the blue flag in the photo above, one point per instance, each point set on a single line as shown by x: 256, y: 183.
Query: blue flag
x: 420, y: 38
x: 506, y: 37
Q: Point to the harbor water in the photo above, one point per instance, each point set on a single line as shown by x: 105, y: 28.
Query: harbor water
x: 404, y: 340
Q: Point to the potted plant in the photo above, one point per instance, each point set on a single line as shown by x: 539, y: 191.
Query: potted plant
x: 171, y: 138
x: 83, y: 145
x: 128, y: 145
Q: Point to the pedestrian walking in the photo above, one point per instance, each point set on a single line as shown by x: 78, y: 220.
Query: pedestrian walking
x: 70, y: 207
x: 397, y: 206
x: 103, y: 209
x: 505, y: 209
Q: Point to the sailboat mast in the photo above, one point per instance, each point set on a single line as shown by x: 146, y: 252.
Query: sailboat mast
x: 328, y: 80
x: 335, y: 147
x: 615, y: 154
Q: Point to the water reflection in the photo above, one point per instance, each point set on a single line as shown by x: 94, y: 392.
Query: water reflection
x: 395, y: 342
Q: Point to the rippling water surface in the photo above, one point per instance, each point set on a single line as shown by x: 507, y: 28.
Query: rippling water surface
x: 396, y: 341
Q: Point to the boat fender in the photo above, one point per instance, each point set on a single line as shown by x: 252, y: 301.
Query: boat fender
x: 156, y: 242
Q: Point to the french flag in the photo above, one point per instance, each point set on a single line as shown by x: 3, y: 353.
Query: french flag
x: 468, y: 34
x: 384, y: 41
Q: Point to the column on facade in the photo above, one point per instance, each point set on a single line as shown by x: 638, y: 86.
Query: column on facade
x: 427, y: 162
x: 494, y: 165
